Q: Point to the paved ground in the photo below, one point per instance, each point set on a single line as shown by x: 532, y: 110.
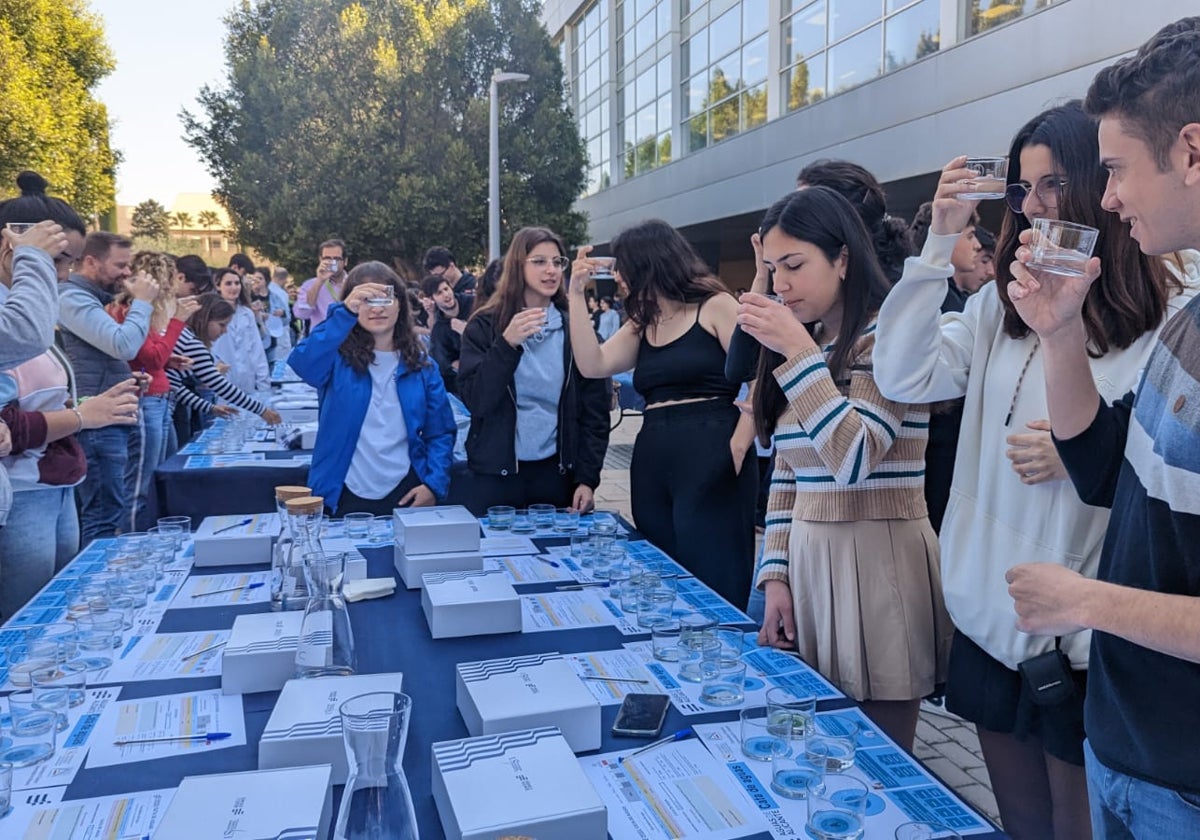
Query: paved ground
x: 946, y: 743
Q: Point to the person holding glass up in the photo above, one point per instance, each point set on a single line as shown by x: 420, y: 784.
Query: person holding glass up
x: 386, y: 433
x: 850, y: 565
x: 539, y: 428
x: 1010, y: 498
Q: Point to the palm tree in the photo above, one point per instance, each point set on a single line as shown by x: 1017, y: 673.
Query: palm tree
x: 208, y: 219
x: 183, y: 220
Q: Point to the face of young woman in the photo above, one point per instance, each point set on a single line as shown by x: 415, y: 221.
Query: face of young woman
x: 216, y: 329
x: 1041, y: 177
x: 230, y: 287
x: 806, y: 281
x: 379, y: 320
x: 542, y: 277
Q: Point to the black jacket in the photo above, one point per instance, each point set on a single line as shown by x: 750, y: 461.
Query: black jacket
x: 485, y: 384
x: 445, y: 345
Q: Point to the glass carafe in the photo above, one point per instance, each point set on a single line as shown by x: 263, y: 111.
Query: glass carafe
x: 326, y: 646
x: 288, y: 591
x: 305, y: 518
x: 376, y: 803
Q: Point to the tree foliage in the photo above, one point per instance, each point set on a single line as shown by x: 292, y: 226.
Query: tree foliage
x: 368, y: 121
x: 52, y: 56
x: 150, y: 220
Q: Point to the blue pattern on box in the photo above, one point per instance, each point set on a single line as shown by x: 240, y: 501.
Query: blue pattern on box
x: 933, y: 804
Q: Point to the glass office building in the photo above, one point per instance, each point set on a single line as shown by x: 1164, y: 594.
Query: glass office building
x: 702, y: 111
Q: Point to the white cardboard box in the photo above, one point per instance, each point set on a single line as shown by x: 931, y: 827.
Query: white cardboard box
x: 296, y: 803
x: 261, y: 652
x: 433, y: 530
x: 526, y: 783
x: 525, y: 692
x: 470, y: 604
x: 225, y: 541
x: 305, y: 726
x: 356, y: 566
x: 412, y: 567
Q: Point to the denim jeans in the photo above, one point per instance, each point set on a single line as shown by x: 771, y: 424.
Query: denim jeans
x: 42, y: 535
x: 757, y: 605
x: 1124, y: 807
x: 147, y: 449
x: 103, y: 502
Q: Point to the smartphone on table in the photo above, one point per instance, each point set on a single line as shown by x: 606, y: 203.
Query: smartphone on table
x: 641, y: 715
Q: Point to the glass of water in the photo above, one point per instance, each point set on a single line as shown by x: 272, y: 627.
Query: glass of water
x: 839, y: 736
x: 792, y: 769
x: 837, y: 807
x: 724, y: 682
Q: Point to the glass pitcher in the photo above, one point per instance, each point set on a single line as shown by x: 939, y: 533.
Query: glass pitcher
x: 326, y: 645
x: 376, y: 803
x: 303, y: 517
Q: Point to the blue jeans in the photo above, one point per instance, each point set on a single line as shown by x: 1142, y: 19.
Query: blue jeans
x: 42, y: 535
x: 103, y: 502
x: 147, y: 450
x: 757, y: 605
x: 1124, y: 807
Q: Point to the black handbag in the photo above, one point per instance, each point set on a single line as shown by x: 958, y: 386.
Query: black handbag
x: 1048, y: 676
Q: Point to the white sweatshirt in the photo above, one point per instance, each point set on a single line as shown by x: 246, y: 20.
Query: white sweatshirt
x: 993, y: 521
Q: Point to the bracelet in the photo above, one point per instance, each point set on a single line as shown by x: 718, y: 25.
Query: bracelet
x: 80, y: 418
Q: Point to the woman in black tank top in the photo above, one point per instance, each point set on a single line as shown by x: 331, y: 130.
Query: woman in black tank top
x: 693, y: 475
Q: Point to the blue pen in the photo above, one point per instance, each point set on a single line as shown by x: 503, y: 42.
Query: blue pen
x: 546, y: 560
x: 681, y: 735
x: 234, y: 525
x: 207, y: 738
x: 247, y: 587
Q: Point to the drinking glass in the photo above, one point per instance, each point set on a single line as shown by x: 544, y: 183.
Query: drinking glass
x: 500, y: 517
x: 583, y: 550
x: 34, y: 738
x: 71, y: 676
x: 664, y: 635
x: 6, y: 769
x: 724, y: 682
x: 381, y: 529
x: 1061, y: 248
x: 566, y: 521
x: 925, y: 831
x: 51, y: 696
x: 358, y: 525
x: 790, y: 716
x: 837, y: 807
x: 522, y: 522
x: 125, y: 607
x: 693, y: 653
x: 654, y: 605
x: 758, y: 742
x: 793, y: 768
x: 991, y: 177
x: 604, y: 522
x: 184, y: 523
x: 839, y: 735
x: 542, y: 516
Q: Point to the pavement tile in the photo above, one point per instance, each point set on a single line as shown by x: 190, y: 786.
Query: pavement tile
x: 960, y: 755
x: 950, y: 773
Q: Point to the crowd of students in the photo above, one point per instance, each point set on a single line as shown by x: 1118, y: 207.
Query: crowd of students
x: 965, y: 490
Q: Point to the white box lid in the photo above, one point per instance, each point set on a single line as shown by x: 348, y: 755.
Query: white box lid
x: 523, y: 685
x: 264, y: 633
x: 256, y: 525
x: 470, y: 587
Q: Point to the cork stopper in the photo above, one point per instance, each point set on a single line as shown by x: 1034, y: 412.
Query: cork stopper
x: 286, y: 492
x: 306, y: 504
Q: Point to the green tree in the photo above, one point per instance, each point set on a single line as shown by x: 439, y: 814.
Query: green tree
x: 150, y: 220
x: 182, y: 220
x: 52, y: 56
x: 208, y: 219
x: 368, y: 121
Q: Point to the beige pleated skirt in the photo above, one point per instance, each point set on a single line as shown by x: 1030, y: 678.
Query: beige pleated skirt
x: 868, y: 605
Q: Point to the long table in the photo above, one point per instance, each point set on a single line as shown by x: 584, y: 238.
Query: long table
x: 390, y: 635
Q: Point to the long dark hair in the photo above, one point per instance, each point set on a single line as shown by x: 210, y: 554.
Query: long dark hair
x: 220, y: 274
x: 359, y: 347
x: 1130, y: 297
x: 33, y: 205
x: 824, y: 218
x: 509, y: 298
x: 213, y: 307
x: 657, y: 263
x: 195, y: 272
x: 889, y: 234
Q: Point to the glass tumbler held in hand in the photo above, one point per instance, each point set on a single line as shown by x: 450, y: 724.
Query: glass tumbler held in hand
x: 1061, y: 248
x: 991, y: 176
x: 376, y: 802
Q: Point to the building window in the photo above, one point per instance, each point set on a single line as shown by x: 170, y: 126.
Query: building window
x: 588, y: 73
x: 724, y: 69
x: 829, y: 46
x: 982, y: 15
x: 644, y: 119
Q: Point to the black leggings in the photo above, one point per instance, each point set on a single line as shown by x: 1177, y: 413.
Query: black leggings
x: 350, y: 503
x: 534, y: 482
x: 688, y: 500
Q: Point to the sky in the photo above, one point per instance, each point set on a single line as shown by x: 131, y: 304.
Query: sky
x: 165, y: 52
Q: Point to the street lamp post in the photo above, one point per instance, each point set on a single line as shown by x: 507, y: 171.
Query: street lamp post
x: 494, y: 157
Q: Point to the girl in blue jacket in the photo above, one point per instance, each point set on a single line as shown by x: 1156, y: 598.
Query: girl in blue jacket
x: 386, y: 435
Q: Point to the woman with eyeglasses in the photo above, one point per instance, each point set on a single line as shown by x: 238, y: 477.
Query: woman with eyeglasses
x: 539, y: 428
x: 386, y: 436
x: 693, y: 475
x: 1010, y: 499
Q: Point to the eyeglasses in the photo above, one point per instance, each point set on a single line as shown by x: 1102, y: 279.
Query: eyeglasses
x: 1049, y: 191
x: 560, y: 263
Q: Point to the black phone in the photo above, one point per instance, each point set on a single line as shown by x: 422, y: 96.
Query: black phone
x: 641, y: 715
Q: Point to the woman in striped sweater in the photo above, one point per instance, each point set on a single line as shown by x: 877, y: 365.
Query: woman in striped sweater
x: 206, y: 325
x: 850, y: 565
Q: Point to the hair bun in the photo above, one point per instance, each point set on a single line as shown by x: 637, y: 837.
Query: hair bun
x: 31, y: 183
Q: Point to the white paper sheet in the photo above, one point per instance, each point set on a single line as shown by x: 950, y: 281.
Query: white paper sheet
x: 530, y: 568
x: 674, y: 791
x: 617, y: 664
x: 130, y: 816
x: 506, y: 544
x: 572, y: 610
x: 161, y: 657
x: 167, y: 716
x: 73, y: 744
x: 199, y: 585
